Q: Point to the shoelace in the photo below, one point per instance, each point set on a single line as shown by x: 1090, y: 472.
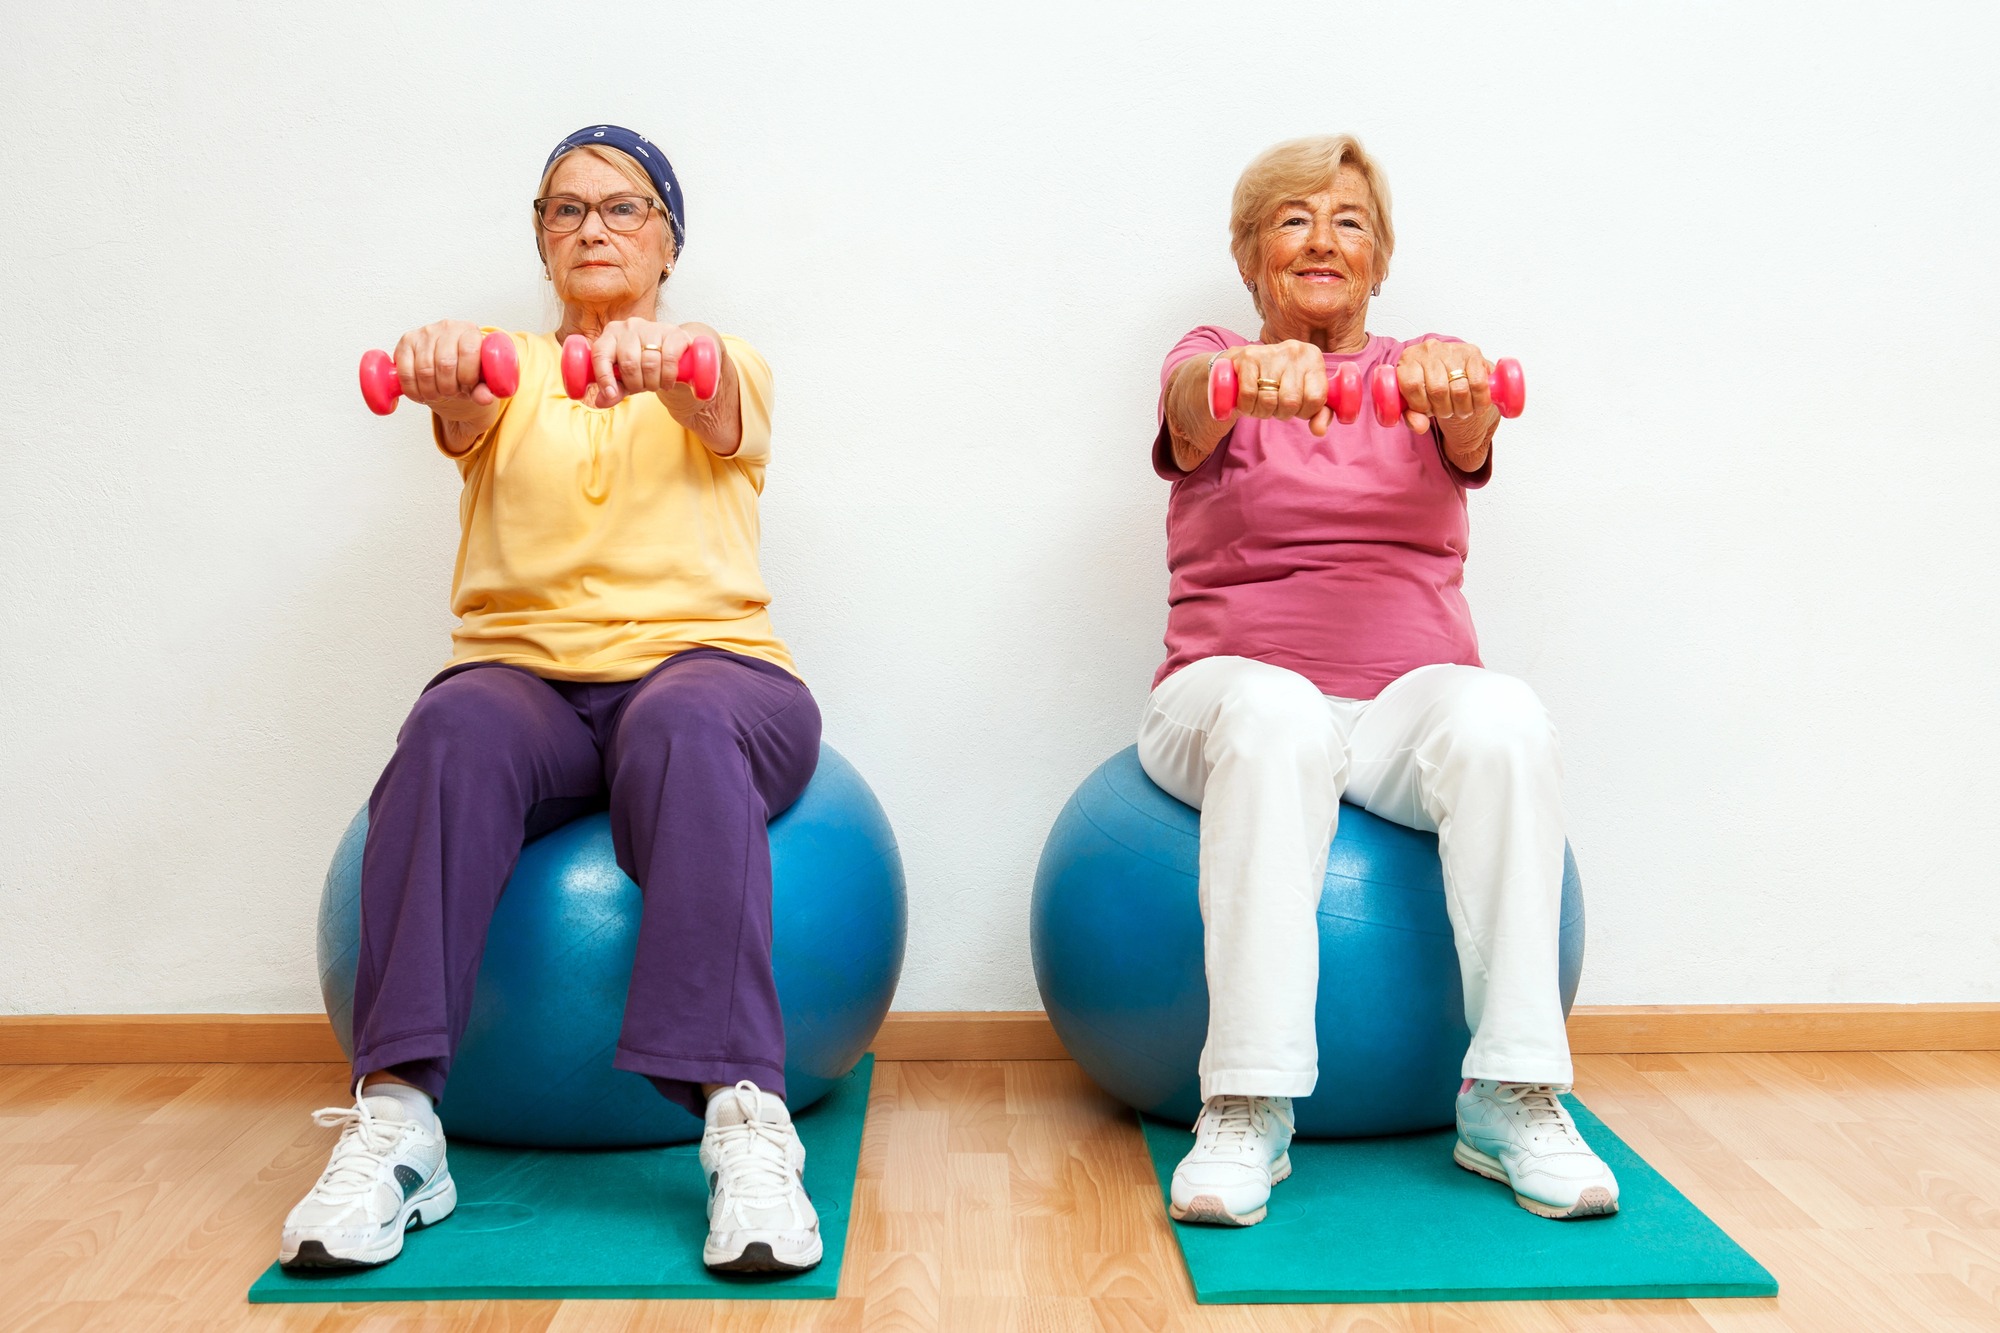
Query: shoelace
x: 363, y: 1150
x: 755, y: 1154
x: 1545, y: 1113
x: 1232, y: 1120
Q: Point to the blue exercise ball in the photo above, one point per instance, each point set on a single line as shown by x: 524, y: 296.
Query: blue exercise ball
x: 534, y: 1068
x: 1117, y: 939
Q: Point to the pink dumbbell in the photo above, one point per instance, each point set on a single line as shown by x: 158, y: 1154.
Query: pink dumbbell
x: 499, y: 370
x: 1505, y: 383
x: 700, y: 366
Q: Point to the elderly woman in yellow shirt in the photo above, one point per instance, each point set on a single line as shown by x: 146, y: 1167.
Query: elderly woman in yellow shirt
x: 613, y: 646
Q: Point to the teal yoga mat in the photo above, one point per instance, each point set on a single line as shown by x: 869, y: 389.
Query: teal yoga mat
x: 546, y: 1225
x: 1393, y: 1219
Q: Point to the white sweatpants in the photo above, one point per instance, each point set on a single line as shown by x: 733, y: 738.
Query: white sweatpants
x: 1463, y: 752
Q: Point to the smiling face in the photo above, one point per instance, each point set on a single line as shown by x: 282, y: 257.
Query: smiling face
x: 1316, y: 260
x: 594, y: 265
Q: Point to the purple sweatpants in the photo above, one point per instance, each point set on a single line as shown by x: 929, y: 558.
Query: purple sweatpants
x: 693, y: 760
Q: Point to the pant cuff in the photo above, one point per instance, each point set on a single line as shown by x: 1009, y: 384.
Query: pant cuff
x: 1257, y: 1083
x: 422, y: 1059
x: 1558, y: 1072
x: 680, y: 1081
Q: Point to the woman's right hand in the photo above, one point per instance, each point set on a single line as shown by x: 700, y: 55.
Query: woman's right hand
x: 438, y: 366
x: 1280, y: 381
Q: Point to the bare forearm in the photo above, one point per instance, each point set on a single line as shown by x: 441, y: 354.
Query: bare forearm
x: 1191, y: 428
x: 459, y: 431
x: 1467, y: 442
x: 718, y: 423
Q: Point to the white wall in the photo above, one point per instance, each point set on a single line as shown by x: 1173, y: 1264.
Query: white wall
x: 1742, y: 542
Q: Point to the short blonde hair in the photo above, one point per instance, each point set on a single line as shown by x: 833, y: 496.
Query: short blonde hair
x: 1295, y: 169
x: 625, y: 165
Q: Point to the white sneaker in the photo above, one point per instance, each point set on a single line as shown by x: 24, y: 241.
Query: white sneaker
x: 760, y: 1219
x: 1520, y: 1134
x: 1242, y: 1147
x: 387, y: 1175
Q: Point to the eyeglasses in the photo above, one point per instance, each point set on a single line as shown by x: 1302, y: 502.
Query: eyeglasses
x: 561, y: 214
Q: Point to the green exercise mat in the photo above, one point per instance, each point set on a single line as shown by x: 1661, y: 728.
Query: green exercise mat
x: 549, y: 1225
x: 1394, y: 1219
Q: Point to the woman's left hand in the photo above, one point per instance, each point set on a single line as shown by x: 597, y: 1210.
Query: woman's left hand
x: 645, y: 354
x: 1446, y: 382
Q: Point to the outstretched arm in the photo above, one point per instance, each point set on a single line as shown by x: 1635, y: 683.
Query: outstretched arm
x: 1275, y: 380
x: 636, y: 356
x: 438, y: 366
x: 1447, y: 383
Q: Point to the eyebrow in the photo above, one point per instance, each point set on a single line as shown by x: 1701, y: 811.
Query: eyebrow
x: 601, y: 199
x: 1338, y: 208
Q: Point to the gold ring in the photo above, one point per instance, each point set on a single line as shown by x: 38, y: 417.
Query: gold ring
x: 1456, y: 375
x: 649, y: 347
x: 1263, y: 384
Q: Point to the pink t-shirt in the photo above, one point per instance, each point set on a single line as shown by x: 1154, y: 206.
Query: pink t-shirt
x: 1340, y: 557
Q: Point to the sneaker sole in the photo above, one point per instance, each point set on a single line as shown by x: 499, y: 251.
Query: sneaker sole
x: 426, y: 1208
x: 1209, y: 1210
x: 758, y: 1257
x: 1596, y: 1201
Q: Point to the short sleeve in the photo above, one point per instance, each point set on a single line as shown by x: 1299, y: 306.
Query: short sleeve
x: 523, y: 346
x: 1204, y: 342
x: 753, y: 382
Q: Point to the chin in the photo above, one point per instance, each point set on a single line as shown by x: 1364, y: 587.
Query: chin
x: 598, y: 282
x: 1319, y: 314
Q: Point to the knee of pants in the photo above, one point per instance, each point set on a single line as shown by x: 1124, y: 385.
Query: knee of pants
x: 474, y: 715
x: 659, y: 720
x: 1275, y: 715
x: 1497, y: 719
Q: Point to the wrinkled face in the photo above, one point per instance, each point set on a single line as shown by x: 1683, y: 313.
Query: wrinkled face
x: 1316, y: 257
x: 595, y: 265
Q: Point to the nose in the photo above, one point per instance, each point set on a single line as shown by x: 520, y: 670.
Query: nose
x: 593, y: 229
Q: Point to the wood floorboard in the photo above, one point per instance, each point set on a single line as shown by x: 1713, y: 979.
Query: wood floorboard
x: 1012, y: 1195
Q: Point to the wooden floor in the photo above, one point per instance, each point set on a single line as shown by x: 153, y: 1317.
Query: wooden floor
x: 1015, y: 1196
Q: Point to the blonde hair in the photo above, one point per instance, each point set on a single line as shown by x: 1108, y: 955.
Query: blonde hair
x: 619, y: 161
x: 1295, y: 169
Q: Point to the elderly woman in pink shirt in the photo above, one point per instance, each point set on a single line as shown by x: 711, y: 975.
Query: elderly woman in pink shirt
x: 1319, y: 648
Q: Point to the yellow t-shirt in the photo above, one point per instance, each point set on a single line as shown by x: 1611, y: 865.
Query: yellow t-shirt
x: 594, y: 544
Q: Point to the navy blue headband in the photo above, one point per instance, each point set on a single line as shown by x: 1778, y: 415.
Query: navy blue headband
x: 658, y: 169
